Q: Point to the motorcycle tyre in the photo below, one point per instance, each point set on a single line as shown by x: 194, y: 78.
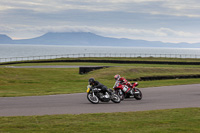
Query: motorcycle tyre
x: 138, y: 96
x: 120, y: 96
x: 97, y: 99
x: 115, y: 101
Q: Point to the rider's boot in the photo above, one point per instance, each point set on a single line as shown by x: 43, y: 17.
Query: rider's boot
x: 109, y: 91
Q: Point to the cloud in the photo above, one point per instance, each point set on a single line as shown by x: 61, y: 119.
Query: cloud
x: 166, y: 7
x: 170, y: 32
x: 161, y: 20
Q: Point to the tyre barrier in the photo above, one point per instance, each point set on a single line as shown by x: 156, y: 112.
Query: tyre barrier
x: 84, y: 70
x: 106, y: 61
x: 165, y: 77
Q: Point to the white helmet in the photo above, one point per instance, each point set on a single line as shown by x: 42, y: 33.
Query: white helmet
x: 117, y: 77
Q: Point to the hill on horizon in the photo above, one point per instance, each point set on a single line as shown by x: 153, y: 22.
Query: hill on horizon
x: 91, y: 39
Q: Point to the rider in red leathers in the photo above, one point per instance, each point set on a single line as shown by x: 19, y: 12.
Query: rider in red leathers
x: 123, y: 81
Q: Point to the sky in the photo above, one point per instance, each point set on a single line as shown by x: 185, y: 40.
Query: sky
x: 153, y: 20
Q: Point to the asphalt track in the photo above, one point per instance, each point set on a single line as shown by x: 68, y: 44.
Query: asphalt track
x: 167, y: 97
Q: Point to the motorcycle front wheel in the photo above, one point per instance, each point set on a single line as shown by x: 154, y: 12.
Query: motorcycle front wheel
x: 120, y: 94
x: 93, y: 99
x: 138, y: 94
x: 115, y: 98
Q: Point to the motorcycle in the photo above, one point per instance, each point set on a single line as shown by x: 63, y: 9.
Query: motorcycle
x: 121, y: 91
x: 94, y: 95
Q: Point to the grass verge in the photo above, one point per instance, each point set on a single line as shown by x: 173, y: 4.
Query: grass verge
x: 165, y: 121
x: 48, y: 81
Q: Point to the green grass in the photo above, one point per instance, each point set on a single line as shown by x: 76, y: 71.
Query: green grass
x: 160, y: 121
x: 47, y: 81
x: 27, y: 82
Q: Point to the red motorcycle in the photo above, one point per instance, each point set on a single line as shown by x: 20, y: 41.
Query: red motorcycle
x: 123, y: 91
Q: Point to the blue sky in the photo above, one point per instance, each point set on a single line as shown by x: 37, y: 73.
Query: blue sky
x: 153, y: 20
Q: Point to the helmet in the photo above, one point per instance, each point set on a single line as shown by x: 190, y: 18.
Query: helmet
x: 117, y: 77
x: 91, y: 80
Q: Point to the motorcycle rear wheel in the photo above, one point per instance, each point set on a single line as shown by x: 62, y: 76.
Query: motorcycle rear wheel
x: 93, y: 99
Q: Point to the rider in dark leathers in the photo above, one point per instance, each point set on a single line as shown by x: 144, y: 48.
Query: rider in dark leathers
x: 97, y: 84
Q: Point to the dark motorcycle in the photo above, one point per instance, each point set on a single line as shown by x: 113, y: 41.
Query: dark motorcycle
x: 121, y: 90
x: 94, y: 95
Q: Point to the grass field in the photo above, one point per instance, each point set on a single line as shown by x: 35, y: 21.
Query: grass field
x: 160, y: 121
x: 46, y: 81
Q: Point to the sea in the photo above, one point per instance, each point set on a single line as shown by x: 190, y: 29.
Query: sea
x: 27, y: 50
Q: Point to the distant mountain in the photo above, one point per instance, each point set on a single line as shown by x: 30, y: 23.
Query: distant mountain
x: 90, y: 39
x: 5, y: 39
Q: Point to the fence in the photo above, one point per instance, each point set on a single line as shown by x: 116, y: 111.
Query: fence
x: 98, y: 55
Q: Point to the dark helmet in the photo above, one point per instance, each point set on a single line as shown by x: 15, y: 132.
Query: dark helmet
x: 91, y: 80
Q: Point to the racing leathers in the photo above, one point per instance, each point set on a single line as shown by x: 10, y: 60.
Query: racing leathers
x: 123, y: 81
x: 97, y: 84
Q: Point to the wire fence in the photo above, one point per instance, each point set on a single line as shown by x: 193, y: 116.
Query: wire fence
x: 128, y: 55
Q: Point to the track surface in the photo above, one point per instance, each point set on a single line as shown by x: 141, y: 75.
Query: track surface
x: 154, y: 98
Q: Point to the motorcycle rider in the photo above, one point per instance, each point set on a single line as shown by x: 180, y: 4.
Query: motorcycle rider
x: 96, y: 84
x: 123, y: 81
